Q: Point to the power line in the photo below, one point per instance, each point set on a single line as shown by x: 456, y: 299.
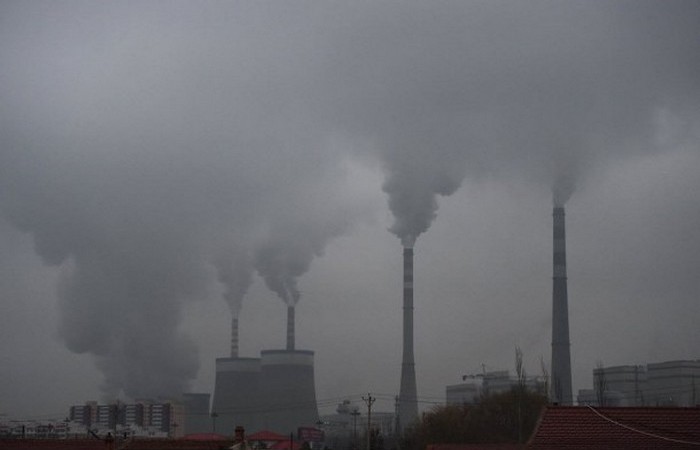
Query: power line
x: 678, y: 441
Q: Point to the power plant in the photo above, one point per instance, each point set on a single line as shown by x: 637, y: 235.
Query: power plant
x: 275, y: 392
x: 408, y: 396
x: 561, y: 390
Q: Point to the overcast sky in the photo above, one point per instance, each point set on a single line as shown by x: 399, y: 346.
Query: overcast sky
x: 164, y: 165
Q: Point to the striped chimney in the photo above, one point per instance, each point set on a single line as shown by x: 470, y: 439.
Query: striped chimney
x: 561, y: 352
x: 234, y: 337
x: 408, y: 401
x: 290, y: 328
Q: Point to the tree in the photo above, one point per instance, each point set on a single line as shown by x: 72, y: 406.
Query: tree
x: 494, y: 420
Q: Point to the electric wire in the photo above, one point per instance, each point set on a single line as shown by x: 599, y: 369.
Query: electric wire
x: 627, y: 427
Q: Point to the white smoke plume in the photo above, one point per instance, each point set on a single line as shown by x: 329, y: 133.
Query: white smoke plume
x: 134, y: 137
x: 235, y: 272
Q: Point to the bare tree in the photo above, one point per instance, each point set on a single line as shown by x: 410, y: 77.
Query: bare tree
x: 545, y: 377
x: 600, y: 382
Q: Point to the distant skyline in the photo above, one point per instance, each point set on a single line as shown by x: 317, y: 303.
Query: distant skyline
x: 164, y: 165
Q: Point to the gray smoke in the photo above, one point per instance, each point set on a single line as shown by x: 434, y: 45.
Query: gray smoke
x: 135, y: 137
x: 562, y: 190
x: 562, y: 91
x: 285, y: 253
x: 235, y: 272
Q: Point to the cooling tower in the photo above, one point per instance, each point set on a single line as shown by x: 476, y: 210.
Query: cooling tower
x: 288, y: 390
x: 236, y: 395
x: 561, y: 392
x: 408, y: 405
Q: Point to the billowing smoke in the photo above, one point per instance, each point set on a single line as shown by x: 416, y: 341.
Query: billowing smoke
x: 285, y: 253
x: 235, y: 272
x: 562, y: 190
x: 413, y: 192
x: 133, y: 138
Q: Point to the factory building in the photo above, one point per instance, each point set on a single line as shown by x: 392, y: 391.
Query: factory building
x: 494, y: 382
x: 669, y: 383
x: 673, y: 383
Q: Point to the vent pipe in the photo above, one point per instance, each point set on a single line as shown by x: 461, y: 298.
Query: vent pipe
x: 561, y: 352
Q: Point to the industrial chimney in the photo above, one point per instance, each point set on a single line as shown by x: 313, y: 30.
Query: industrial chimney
x: 561, y: 356
x: 290, y: 328
x: 234, y: 337
x: 408, y: 401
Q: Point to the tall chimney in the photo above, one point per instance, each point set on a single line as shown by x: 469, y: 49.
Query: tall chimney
x: 234, y: 337
x: 408, y: 401
x: 290, y: 328
x: 561, y: 356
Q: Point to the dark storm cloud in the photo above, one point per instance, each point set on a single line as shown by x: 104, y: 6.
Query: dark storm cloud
x: 149, y: 148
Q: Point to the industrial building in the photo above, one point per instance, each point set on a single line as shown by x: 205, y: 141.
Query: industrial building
x: 494, y: 382
x: 669, y: 383
x: 276, y: 392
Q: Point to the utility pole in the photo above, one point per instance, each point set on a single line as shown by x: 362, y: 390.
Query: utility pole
x: 369, y: 401
x: 354, y: 415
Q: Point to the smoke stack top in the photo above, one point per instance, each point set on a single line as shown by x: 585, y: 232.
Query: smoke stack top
x: 235, y: 272
x: 414, y: 180
x: 562, y: 189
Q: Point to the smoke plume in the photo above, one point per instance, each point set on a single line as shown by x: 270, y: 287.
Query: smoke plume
x: 134, y: 138
x: 235, y: 272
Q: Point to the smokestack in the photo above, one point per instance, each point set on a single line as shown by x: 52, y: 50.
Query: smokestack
x: 234, y: 337
x: 408, y: 405
x: 561, y: 356
x: 290, y: 328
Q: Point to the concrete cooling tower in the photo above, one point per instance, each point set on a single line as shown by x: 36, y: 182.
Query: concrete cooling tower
x: 561, y: 356
x: 287, y: 390
x: 236, y: 394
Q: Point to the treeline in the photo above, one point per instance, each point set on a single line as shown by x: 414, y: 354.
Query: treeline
x: 508, y: 417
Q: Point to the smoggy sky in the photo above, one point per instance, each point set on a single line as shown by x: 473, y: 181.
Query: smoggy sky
x: 166, y: 164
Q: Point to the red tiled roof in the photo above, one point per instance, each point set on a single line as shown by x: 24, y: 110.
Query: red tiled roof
x: 579, y: 427
x: 266, y: 435
x: 94, y: 444
x: 475, y: 447
x: 286, y: 445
